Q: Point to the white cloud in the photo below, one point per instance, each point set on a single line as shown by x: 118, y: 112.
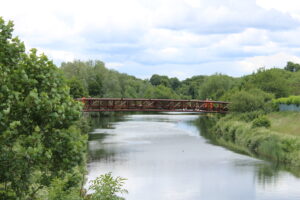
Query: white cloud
x: 114, y: 65
x: 283, y: 6
x: 173, y: 37
x: 59, y: 56
x: 291, y: 7
x: 250, y: 65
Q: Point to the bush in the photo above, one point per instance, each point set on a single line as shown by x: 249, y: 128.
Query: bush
x: 273, y: 81
x: 249, y: 101
x: 216, y: 86
x: 249, y: 116
x: 261, y: 121
x: 288, y: 100
x: 106, y: 187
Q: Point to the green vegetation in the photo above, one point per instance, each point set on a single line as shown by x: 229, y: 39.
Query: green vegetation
x: 285, y: 122
x: 293, y: 67
x: 288, y: 100
x: 42, y: 148
x: 261, y: 121
x: 252, y: 100
x: 260, y: 142
x: 106, y: 187
x: 93, y: 79
x: 253, y: 126
x: 273, y: 81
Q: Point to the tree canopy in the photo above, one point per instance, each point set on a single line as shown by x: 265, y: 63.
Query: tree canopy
x: 292, y: 67
x: 39, y: 138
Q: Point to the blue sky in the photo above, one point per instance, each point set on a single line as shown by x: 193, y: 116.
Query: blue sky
x: 178, y: 38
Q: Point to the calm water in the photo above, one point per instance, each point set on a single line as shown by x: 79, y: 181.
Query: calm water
x: 165, y: 157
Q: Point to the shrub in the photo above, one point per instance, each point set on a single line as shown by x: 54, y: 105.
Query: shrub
x: 249, y: 101
x: 288, y: 100
x: 249, y: 116
x: 261, y: 121
x: 106, y: 187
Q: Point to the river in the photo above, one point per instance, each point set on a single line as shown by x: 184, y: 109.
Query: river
x: 164, y: 157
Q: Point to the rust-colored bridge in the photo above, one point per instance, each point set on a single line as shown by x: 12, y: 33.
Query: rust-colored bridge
x: 158, y: 105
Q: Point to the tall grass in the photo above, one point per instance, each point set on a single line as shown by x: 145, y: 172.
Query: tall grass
x: 261, y: 142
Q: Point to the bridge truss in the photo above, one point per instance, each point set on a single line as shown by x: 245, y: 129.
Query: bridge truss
x: 156, y: 105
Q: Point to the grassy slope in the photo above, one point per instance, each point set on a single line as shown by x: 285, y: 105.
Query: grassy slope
x: 285, y: 122
x: 282, y: 147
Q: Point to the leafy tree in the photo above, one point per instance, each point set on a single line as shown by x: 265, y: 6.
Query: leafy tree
x: 156, y: 80
x: 189, y: 88
x: 215, y: 86
x: 174, y: 83
x: 294, y: 83
x: 95, y: 87
x: 102, y: 82
x: 292, y: 67
x: 252, y: 100
x: 193, y: 90
x: 272, y: 81
x: 77, y: 89
x: 106, y: 187
x: 39, y: 137
x: 160, y: 92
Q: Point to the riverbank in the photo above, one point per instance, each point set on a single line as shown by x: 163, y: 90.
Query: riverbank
x: 273, y: 143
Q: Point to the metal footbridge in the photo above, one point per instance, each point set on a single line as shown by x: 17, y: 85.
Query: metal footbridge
x: 153, y: 105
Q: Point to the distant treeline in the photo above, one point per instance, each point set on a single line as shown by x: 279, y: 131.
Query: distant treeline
x: 93, y: 79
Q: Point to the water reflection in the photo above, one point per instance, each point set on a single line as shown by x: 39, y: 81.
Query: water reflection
x: 165, y: 157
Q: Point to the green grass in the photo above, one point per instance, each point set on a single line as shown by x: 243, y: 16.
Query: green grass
x: 285, y: 122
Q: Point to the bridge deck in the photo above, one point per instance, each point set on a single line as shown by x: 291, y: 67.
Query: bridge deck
x: 156, y: 105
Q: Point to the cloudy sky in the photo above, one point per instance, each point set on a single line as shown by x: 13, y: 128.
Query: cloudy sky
x: 178, y: 38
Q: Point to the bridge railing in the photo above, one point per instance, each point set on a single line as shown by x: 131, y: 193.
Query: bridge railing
x: 160, y: 105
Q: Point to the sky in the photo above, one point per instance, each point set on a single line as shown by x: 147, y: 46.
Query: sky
x: 177, y: 38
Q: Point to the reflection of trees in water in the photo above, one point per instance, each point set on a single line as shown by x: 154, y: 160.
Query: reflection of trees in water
x: 267, y: 174
x: 101, y: 154
x: 97, y: 136
x: 270, y: 173
x: 204, y: 123
x: 104, y: 120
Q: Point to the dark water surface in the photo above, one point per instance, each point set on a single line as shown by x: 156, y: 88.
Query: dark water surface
x: 164, y: 157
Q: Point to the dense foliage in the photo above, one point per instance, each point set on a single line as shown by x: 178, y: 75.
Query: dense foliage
x: 248, y: 93
x: 41, y: 146
x: 250, y: 100
x: 288, y: 100
x: 293, y: 67
x: 106, y: 187
x: 261, y: 121
x: 97, y: 81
